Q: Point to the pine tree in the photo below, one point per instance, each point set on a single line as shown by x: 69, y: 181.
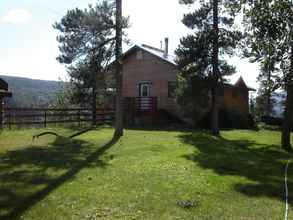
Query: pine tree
x: 87, y: 45
x: 201, y: 55
x: 84, y: 39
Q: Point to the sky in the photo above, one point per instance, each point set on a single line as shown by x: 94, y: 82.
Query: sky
x: 28, y: 41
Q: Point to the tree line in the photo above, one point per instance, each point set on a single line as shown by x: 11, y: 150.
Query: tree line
x: 91, y: 41
x: 267, y: 38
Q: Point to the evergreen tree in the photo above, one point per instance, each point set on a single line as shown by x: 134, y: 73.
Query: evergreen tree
x: 64, y: 96
x: 265, y: 99
x: 270, y: 25
x: 261, y: 105
x: 252, y: 107
x: 87, y: 44
x: 261, y: 49
x: 201, y: 56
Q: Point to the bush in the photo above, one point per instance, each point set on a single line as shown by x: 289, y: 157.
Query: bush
x: 268, y: 120
x: 263, y: 126
x: 230, y: 120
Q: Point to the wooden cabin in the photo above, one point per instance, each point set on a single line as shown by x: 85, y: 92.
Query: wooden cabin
x: 149, y: 80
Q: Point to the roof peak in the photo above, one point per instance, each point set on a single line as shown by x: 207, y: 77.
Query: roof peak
x: 155, y: 51
x: 240, y: 82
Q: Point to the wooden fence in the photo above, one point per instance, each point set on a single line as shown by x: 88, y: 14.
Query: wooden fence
x: 44, y: 116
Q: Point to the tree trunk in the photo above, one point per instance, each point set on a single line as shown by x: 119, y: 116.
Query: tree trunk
x: 118, y: 75
x: 215, y: 113
x: 215, y: 77
x: 269, y: 87
x: 269, y: 96
x: 287, y: 120
x: 94, y: 104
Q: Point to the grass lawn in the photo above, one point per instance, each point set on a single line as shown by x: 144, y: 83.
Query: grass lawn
x: 145, y: 175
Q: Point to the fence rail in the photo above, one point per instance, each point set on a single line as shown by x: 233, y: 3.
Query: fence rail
x: 45, y: 116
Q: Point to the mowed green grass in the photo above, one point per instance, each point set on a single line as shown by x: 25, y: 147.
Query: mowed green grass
x: 143, y: 176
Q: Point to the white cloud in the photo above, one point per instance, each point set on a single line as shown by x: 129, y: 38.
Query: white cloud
x: 17, y: 16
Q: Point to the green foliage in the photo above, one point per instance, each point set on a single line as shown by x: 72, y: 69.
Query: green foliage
x: 191, y: 95
x: 32, y: 93
x: 252, y: 107
x: 264, y: 45
x: 64, y: 97
x: 269, y: 38
x: 270, y: 24
x: 87, y: 39
x: 264, y: 107
x: 195, y: 54
x: 264, y: 126
x: 229, y: 120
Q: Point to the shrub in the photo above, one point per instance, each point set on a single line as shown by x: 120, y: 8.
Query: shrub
x: 272, y: 120
x: 230, y: 120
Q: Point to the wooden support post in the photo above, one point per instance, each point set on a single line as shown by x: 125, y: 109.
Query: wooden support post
x: 9, y: 120
x: 153, y: 110
x: 1, y: 113
x: 45, y: 119
x: 103, y: 116
x: 79, y: 119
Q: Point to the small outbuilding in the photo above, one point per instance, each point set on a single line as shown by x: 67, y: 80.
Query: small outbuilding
x: 4, y: 93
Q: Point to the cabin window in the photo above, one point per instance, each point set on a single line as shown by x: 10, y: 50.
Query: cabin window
x: 171, y: 89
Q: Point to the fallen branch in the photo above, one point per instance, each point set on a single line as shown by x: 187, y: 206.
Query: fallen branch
x: 57, y: 135
x: 45, y: 133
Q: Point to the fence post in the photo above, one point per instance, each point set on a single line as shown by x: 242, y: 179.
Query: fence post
x: 45, y: 119
x: 9, y: 120
x: 104, y: 116
x: 1, y: 113
x: 79, y: 119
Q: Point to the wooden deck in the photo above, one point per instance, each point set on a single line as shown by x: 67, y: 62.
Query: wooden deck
x: 143, y: 108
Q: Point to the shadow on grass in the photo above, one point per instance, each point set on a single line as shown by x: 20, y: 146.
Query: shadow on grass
x: 262, y: 164
x: 29, y: 175
x: 165, y: 127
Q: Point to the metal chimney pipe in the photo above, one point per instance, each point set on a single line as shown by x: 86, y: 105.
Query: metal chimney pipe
x: 166, y: 52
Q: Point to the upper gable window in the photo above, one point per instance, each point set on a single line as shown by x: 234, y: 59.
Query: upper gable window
x: 139, y: 55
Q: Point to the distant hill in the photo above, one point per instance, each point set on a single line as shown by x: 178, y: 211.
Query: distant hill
x: 30, y: 92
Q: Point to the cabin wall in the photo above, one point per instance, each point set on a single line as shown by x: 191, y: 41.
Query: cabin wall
x: 236, y: 100
x: 142, y: 66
